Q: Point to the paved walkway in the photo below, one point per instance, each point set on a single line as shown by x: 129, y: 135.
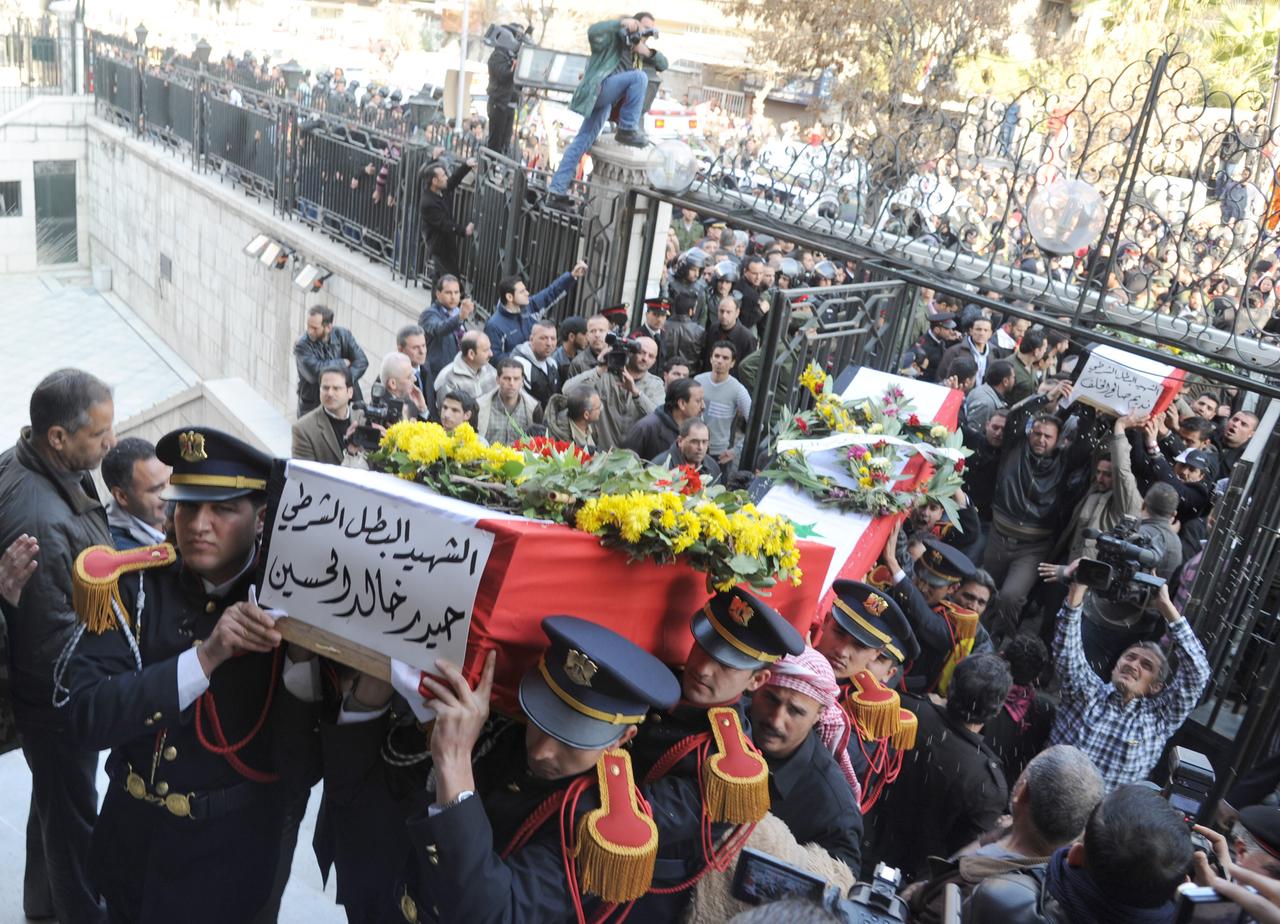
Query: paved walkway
x: 56, y: 320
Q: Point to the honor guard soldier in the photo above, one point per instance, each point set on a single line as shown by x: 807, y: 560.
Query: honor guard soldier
x: 174, y: 673
x: 697, y: 762
x: 867, y: 639
x: 548, y: 819
x: 947, y: 632
x: 951, y: 789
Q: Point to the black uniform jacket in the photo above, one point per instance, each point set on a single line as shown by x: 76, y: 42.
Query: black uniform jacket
x: 809, y: 793
x: 179, y: 820
x: 951, y: 790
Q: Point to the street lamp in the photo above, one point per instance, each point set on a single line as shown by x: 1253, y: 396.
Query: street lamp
x: 292, y: 73
x: 424, y: 105
x: 1065, y: 216
x: 201, y: 55
x: 141, y: 33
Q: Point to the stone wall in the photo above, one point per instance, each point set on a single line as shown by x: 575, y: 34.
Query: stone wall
x: 223, y: 312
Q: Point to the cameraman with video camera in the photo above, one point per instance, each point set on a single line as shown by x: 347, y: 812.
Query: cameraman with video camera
x: 1131, y: 560
x: 614, y: 78
x: 1123, y: 724
x: 628, y: 390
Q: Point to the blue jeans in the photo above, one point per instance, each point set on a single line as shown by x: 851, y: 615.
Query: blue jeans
x: 627, y: 86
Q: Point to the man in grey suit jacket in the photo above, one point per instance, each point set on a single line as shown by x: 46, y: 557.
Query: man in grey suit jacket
x: 321, y: 435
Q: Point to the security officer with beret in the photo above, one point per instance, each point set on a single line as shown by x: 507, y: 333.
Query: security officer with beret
x: 175, y: 673
x: 1257, y: 840
x: 490, y: 845
x: 866, y: 633
x: 923, y: 584
x: 933, y: 343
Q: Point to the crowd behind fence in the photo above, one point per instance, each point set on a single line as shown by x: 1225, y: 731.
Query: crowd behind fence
x: 354, y: 171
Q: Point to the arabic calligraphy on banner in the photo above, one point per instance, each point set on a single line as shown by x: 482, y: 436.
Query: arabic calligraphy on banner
x: 1119, y: 382
x: 361, y: 555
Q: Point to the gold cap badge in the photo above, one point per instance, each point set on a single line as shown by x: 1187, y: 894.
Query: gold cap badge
x: 191, y: 446
x: 874, y: 605
x: 579, y: 668
x: 740, y: 611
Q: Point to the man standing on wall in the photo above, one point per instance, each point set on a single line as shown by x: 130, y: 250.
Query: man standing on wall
x: 614, y: 77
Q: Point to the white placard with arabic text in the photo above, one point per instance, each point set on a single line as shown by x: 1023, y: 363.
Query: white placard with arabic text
x: 375, y: 560
x: 1120, y: 383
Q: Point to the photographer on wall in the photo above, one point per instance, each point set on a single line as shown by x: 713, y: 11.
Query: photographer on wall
x: 614, y: 78
x: 1123, y: 724
x: 506, y: 41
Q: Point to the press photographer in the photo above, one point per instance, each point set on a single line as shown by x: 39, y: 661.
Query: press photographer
x: 506, y: 41
x: 1123, y: 724
x: 614, y: 78
x: 393, y: 398
x: 628, y: 390
x: 1130, y: 562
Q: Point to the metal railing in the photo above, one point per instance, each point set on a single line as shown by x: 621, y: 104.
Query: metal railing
x: 356, y: 173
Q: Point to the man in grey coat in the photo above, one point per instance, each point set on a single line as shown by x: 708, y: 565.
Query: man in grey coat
x: 46, y: 493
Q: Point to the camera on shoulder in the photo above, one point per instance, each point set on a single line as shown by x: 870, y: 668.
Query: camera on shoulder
x: 620, y: 350
x: 382, y: 410
x: 1121, y: 572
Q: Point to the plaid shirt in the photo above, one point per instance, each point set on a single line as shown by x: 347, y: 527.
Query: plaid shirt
x: 1124, y: 740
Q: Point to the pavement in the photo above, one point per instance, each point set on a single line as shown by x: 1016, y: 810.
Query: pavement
x: 58, y: 319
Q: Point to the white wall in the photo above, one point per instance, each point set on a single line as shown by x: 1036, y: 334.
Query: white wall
x: 228, y: 404
x: 45, y: 128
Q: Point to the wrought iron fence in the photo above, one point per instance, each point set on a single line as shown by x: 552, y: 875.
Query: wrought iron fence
x: 1186, y: 176
x: 354, y: 170
x: 30, y: 51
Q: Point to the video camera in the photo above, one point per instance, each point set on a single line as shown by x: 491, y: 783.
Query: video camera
x: 508, y: 37
x: 760, y: 878
x: 632, y: 39
x: 1119, y: 572
x: 620, y: 350
x: 381, y: 411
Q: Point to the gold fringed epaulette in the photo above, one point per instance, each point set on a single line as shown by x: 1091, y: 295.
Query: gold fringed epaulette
x: 617, y: 844
x: 904, y: 739
x: 873, y: 706
x: 95, y: 583
x: 735, y: 779
x: 964, y: 622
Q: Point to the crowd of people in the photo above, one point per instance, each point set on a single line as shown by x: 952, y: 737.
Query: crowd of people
x: 979, y: 712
